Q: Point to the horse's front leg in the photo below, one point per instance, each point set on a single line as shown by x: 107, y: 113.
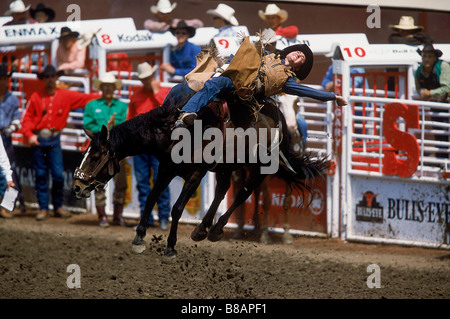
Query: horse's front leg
x: 161, y: 183
x: 189, y: 188
x: 223, y: 184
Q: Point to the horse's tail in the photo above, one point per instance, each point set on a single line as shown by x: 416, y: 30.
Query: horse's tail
x: 300, y: 170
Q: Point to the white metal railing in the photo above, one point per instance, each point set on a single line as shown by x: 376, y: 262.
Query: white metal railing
x: 368, y: 142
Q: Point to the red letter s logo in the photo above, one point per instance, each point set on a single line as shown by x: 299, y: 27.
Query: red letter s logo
x: 400, y: 140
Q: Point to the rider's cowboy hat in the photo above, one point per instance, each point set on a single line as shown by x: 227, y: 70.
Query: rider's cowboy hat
x: 304, y: 70
x: 225, y: 12
x: 428, y: 47
x: 182, y: 25
x: 41, y: 7
x: 273, y: 9
x: 163, y: 6
x: 17, y: 6
x: 49, y: 70
x: 406, y: 23
x: 67, y: 32
x: 107, y: 78
x: 145, y: 70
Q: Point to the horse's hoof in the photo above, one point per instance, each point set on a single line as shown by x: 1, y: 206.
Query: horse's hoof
x: 265, y: 238
x: 138, y: 249
x: 170, y: 256
x: 288, y: 239
x: 199, y: 233
x: 169, y: 259
x: 215, y: 235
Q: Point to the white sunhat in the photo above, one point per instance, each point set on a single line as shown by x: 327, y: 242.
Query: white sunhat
x: 406, y: 23
x: 273, y: 9
x: 145, y: 70
x: 163, y: 6
x: 17, y: 6
x: 225, y: 12
x: 108, y: 78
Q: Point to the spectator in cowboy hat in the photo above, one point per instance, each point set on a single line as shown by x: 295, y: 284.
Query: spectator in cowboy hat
x: 274, y: 17
x: 108, y: 111
x: 224, y: 20
x: 433, y: 75
x: 433, y: 84
x: 70, y: 56
x: 42, y: 13
x: 183, y: 55
x: 150, y: 96
x: 44, y: 118
x: 163, y: 11
x: 406, y: 32
x: 19, y: 13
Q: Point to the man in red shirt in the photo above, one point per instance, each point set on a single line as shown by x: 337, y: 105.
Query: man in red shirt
x: 274, y: 17
x: 45, y: 116
x: 150, y: 96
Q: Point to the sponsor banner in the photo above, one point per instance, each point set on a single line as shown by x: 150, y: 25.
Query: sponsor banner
x: 47, y: 32
x: 400, y: 210
x: 312, y: 218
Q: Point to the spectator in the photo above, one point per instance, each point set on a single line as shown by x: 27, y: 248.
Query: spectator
x: 406, y: 32
x: 274, y: 17
x: 224, y: 20
x: 150, y: 96
x: 183, y: 54
x: 433, y: 84
x: 42, y: 13
x: 70, y: 56
x: 163, y: 11
x: 108, y: 111
x: 19, y: 13
x: 5, y: 174
x: 9, y: 122
x: 45, y: 116
x: 433, y: 75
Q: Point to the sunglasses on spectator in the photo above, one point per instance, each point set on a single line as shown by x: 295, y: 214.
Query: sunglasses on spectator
x: 181, y: 33
x: 48, y: 76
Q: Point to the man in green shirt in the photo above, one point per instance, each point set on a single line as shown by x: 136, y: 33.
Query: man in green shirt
x: 108, y: 111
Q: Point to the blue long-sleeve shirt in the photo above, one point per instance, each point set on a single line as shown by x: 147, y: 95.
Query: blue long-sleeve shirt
x: 9, y: 110
x: 184, y: 59
x: 222, y: 84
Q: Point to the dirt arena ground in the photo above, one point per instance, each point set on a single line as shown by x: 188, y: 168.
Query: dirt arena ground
x: 34, y: 257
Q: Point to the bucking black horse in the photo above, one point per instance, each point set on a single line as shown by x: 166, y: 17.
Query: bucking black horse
x: 151, y: 133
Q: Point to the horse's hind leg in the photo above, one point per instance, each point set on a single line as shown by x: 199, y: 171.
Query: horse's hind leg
x: 223, y: 184
x: 161, y: 183
x: 287, y: 237
x: 255, y: 179
x: 264, y: 236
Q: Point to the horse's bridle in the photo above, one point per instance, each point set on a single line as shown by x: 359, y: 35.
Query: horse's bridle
x: 109, y: 159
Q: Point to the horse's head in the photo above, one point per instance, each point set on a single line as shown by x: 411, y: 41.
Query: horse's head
x: 98, y: 166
